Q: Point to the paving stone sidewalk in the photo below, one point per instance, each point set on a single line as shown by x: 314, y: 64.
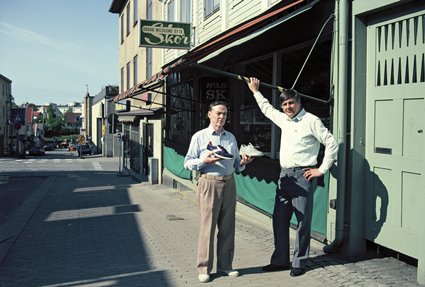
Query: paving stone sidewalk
x: 103, y: 230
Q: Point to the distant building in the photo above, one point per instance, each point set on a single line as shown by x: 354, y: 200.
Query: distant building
x: 102, y: 118
x: 73, y: 121
x: 5, y: 107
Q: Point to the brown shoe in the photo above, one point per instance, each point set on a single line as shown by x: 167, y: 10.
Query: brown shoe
x: 272, y: 268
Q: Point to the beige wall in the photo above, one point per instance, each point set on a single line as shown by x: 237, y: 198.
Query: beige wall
x: 128, y: 49
x: 5, y: 92
x: 96, y: 114
x: 231, y: 13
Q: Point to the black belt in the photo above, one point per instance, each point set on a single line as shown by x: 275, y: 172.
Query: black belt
x: 296, y: 168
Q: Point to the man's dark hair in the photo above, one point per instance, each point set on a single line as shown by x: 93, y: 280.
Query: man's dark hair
x: 289, y: 94
x: 216, y: 103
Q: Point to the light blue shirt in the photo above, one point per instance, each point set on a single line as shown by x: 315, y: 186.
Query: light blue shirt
x: 198, y: 145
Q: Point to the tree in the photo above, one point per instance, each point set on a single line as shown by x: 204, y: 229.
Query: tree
x: 53, y: 124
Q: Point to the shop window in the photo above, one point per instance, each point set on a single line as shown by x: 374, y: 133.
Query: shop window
x: 181, y: 114
x: 255, y: 127
x: 314, y: 79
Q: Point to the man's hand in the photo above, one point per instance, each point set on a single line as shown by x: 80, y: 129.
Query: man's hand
x: 310, y: 173
x: 208, y: 159
x: 246, y: 159
x: 254, y: 84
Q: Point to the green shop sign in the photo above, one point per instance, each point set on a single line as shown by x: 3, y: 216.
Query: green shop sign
x: 164, y: 34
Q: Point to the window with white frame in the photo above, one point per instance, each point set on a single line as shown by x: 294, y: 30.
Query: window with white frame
x: 135, y: 76
x: 148, y: 62
x: 122, y: 28
x: 185, y: 11
x: 127, y: 14
x: 149, y: 9
x: 135, y: 11
x: 210, y: 7
x: 128, y: 76
x: 170, y: 11
x: 122, y: 79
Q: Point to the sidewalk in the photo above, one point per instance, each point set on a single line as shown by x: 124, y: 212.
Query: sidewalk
x: 105, y: 230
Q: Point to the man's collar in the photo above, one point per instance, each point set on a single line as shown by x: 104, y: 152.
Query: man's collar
x: 212, y: 131
x: 298, y: 116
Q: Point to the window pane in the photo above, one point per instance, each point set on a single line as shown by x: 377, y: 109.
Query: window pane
x: 128, y: 18
x: 122, y: 28
x: 148, y: 62
x: 180, y: 120
x: 136, y: 11
x: 170, y: 13
x: 122, y: 79
x: 149, y: 10
x: 186, y: 11
x: 128, y: 76
x: 256, y: 127
x: 135, y: 80
x: 211, y: 6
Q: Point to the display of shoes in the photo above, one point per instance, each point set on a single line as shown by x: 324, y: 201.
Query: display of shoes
x: 219, y: 151
x: 250, y: 150
x: 230, y: 273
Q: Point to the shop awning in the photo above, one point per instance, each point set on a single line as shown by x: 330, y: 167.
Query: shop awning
x: 259, y: 32
x: 131, y: 116
x: 232, y: 37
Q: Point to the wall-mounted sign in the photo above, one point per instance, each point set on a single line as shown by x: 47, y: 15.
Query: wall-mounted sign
x: 162, y: 34
x: 214, y: 89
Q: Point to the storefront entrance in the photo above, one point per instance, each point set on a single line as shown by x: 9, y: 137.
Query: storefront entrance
x: 394, y: 129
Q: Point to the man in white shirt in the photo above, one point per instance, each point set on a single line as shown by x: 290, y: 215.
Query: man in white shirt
x: 302, y: 134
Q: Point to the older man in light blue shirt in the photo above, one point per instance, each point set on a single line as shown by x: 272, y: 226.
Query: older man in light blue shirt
x: 216, y: 192
x: 301, y: 137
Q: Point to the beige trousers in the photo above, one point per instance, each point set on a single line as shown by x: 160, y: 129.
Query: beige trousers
x: 217, y: 204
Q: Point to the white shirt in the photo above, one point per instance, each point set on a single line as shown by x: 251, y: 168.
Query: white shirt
x: 301, y: 137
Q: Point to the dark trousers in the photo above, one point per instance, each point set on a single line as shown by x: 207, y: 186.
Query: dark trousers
x: 294, y: 194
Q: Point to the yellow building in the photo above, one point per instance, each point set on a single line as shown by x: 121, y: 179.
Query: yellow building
x: 5, y: 107
x: 142, y: 127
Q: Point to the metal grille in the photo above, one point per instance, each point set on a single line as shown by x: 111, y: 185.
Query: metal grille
x: 400, y: 52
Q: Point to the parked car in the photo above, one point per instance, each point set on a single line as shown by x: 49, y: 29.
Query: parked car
x: 35, y: 150
x: 84, y: 149
x: 49, y: 147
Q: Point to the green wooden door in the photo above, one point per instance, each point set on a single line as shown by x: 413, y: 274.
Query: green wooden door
x: 395, y: 122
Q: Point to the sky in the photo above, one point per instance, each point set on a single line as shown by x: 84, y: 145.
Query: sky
x: 52, y: 50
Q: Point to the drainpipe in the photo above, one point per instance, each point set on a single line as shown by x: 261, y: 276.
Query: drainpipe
x: 343, y: 19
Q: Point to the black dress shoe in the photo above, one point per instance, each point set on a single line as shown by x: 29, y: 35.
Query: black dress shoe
x: 271, y: 268
x: 297, y: 272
